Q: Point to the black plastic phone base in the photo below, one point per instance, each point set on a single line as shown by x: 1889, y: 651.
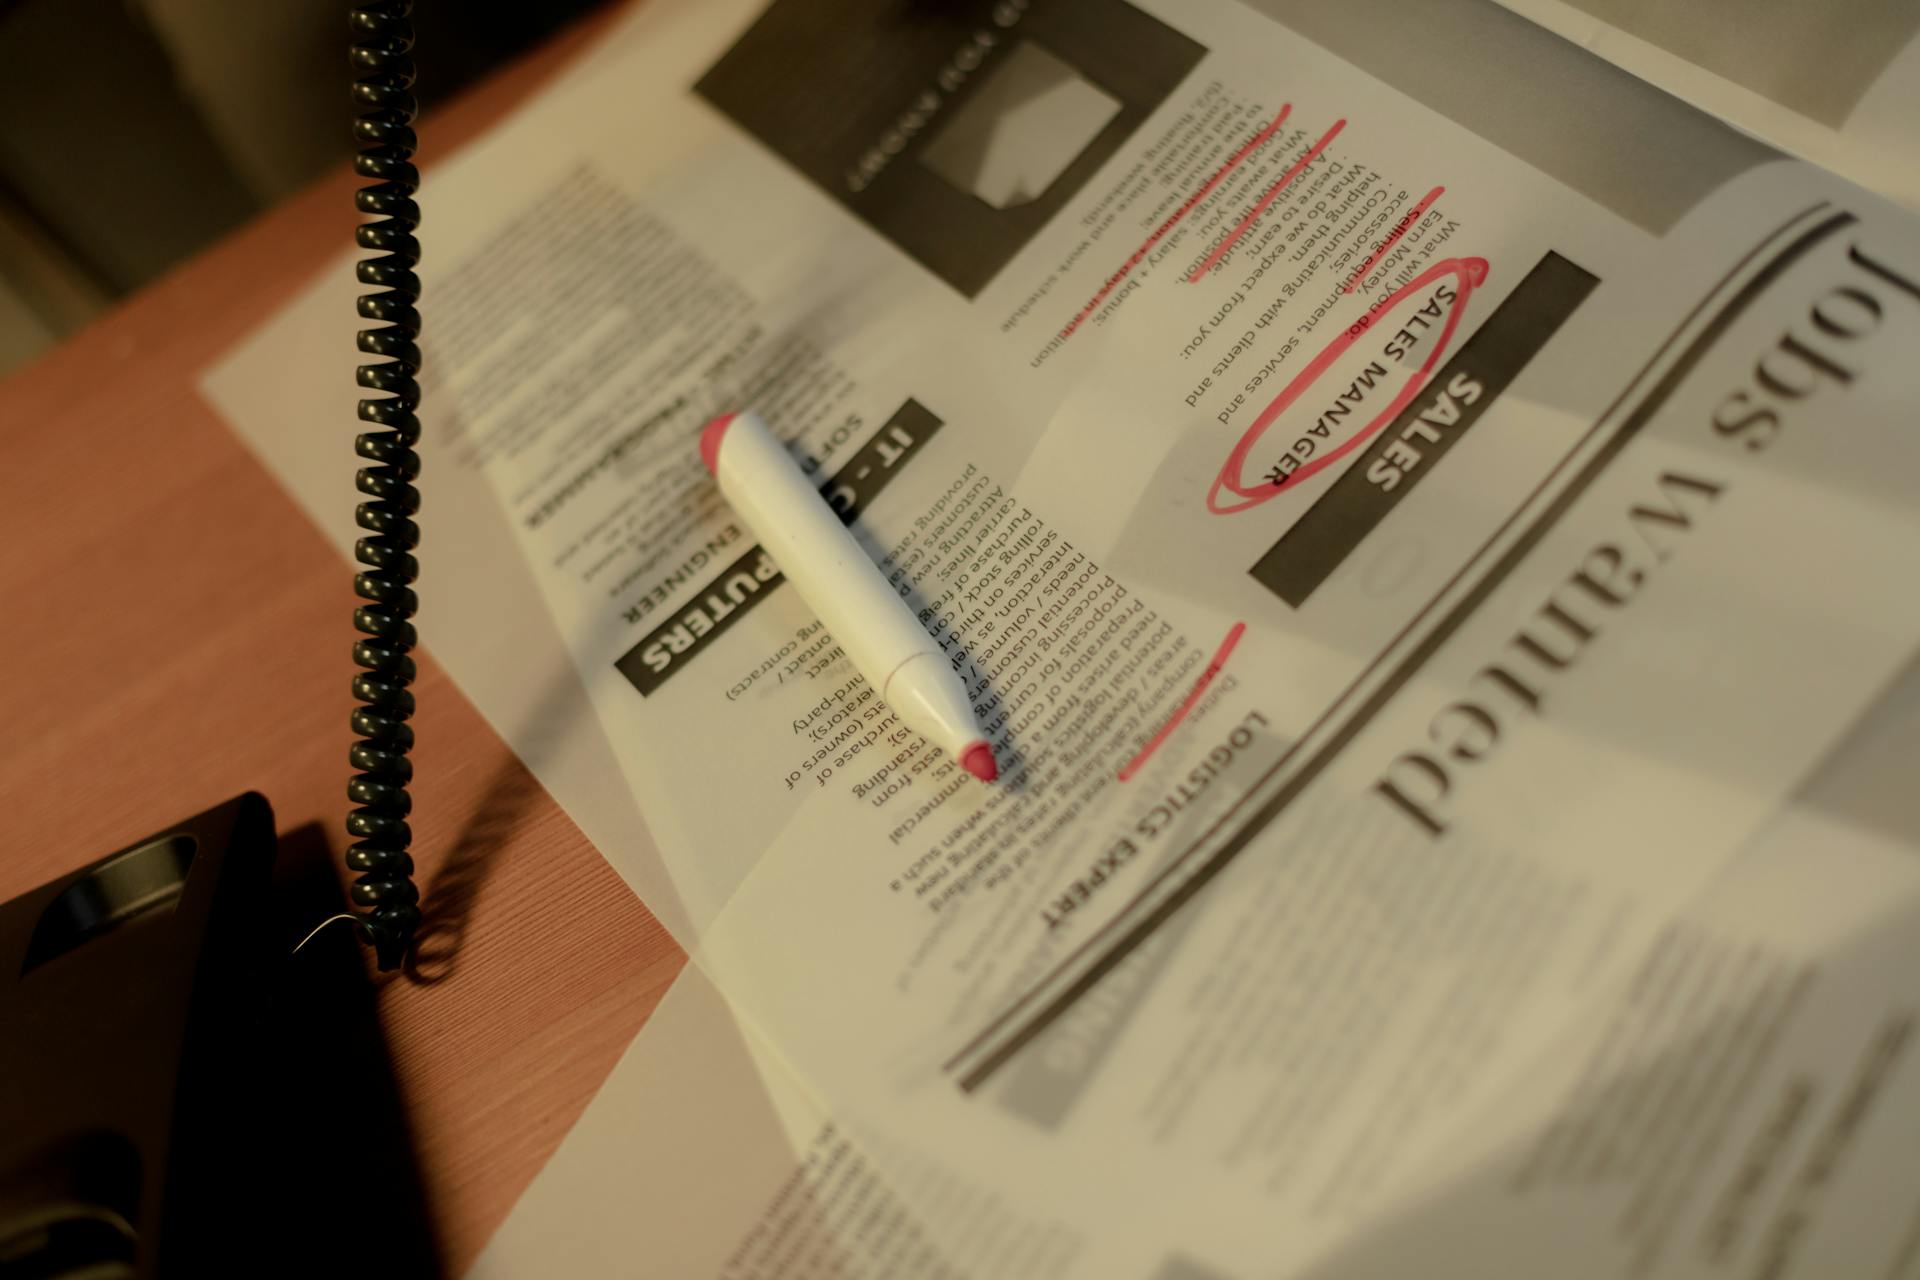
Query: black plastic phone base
x: 180, y: 1095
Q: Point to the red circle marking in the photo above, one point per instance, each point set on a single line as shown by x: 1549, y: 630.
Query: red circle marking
x: 1470, y: 272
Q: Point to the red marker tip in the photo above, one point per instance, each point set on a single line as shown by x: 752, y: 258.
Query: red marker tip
x: 710, y: 440
x: 978, y: 760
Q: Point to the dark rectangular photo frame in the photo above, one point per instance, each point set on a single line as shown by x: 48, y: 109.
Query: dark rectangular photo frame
x: 851, y: 92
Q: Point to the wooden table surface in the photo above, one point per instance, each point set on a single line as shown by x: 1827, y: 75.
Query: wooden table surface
x: 177, y: 633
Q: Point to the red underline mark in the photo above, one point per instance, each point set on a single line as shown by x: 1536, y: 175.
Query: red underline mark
x: 1199, y: 687
x: 1206, y: 188
x: 1273, y: 193
x: 1400, y: 228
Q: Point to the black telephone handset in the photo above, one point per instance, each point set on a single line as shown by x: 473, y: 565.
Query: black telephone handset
x: 383, y: 90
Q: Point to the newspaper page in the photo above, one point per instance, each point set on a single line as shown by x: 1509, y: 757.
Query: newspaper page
x: 1836, y: 81
x: 1399, y: 550
x: 1776, y: 1009
x: 1543, y: 697
x: 1433, y: 873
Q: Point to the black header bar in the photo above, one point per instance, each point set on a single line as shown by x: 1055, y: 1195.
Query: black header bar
x: 1410, y: 446
x: 743, y: 584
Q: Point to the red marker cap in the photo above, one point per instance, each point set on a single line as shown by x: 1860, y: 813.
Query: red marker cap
x: 710, y: 440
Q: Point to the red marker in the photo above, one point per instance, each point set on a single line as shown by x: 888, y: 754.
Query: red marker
x: 838, y: 580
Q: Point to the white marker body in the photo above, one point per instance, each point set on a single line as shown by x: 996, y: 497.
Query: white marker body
x: 841, y: 583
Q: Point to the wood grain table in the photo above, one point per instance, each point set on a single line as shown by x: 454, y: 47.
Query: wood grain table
x: 177, y: 633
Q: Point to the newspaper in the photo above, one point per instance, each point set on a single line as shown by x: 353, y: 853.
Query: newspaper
x: 1402, y: 541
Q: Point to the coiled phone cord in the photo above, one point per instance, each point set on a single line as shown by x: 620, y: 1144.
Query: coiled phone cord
x: 382, y: 90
